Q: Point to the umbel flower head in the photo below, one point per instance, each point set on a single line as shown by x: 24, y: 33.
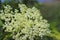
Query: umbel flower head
x: 24, y: 24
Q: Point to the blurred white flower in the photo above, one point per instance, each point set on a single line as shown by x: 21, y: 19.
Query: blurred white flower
x: 26, y: 24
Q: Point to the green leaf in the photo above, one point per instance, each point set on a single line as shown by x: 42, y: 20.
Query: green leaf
x: 1, y: 23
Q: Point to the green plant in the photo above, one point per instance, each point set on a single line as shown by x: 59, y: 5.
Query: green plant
x: 25, y: 23
x: 55, y: 33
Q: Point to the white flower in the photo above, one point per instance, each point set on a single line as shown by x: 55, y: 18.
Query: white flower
x: 26, y: 24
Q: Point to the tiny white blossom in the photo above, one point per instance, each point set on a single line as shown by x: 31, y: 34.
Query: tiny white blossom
x: 26, y: 24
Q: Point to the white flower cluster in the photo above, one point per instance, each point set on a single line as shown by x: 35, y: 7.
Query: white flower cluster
x: 25, y: 24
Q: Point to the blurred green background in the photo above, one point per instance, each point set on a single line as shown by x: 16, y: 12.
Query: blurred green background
x: 50, y: 11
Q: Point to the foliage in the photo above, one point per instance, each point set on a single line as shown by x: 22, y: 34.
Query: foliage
x: 53, y: 15
x: 26, y: 23
x: 55, y: 33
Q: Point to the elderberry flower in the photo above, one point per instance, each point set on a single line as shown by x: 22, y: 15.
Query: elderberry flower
x: 25, y: 24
